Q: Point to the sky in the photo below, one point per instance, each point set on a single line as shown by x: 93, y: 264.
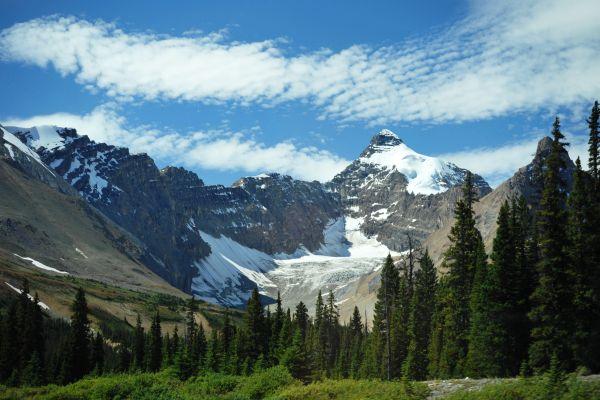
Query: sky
x: 236, y: 88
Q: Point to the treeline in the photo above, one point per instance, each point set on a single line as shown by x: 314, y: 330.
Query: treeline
x: 533, y: 305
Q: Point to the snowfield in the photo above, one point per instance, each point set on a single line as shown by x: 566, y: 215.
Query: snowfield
x: 40, y: 265
x: 346, y: 255
x: 425, y: 175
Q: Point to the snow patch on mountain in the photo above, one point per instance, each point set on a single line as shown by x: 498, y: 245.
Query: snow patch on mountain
x: 13, y: 141
x: 230, y: 268
x: 46, y: 136
x: 229, y: 273
x: 426, y: 175
x: 40, y: 265
x: 19, y: 291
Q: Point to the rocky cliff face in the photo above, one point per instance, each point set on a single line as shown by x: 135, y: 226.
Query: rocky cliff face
x: 268, y: 230
x: 45, y: 226
x: 169, y: 209
x: 527, y: 182
x: 396, y: 192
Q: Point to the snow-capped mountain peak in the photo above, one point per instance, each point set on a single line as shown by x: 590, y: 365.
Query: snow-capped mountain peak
x: 425, y: 175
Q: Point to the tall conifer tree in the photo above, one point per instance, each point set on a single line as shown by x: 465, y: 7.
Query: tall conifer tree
x: 552, y: 298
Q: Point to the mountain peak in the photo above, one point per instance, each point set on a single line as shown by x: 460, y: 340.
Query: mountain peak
x: 385, y: 137
x: 544, y: 146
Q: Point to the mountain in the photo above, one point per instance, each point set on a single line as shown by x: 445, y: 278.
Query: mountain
x: 396, y: 192
x: 268, y: 230
x: 526, y: 182
x: 172, y: 212
x: 58, y: 241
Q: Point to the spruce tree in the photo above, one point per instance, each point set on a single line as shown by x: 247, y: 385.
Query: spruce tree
x: 594, y: 143
x: 301, y: 319
x: 97, y: 361
x: 586, y: 348
x: 155, y: 356
x: 486, y: 347
x: 139, y: 345
x: 255, y: 321
x: 461, y: 260
x: 295, y: 358
x: 421, y: 320
x: 387, y: 296
x: 76, y: 363
x: 551, y: 313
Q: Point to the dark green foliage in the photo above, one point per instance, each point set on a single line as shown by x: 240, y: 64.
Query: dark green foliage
x: 77, y: 358
x: 594, y: 142
x: 139, y: 345
x: 462, y: 259
x: 155, y: 356
x: 421, y: 318
x: 97, y: 358
x: 551, y: 312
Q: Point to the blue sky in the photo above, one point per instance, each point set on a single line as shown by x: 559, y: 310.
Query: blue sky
x: 229, y: 89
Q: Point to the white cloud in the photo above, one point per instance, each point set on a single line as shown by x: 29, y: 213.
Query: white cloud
x: 217, y: 150
x: 504, y: 57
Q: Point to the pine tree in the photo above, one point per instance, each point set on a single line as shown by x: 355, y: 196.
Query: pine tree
x: 586, y: 348
x: 462, y: 259
x: 155, y: 356
x: 139, y: 345
x: 10, y: 342
x: 520, y: 286
x: 552, y: 298
x: 486, y: 347
x: 387, y: 296
x: 97, y: 360
x: 421, y: 320
x: 76, y: 363
x: 594, y: 143
x: 255, y: 325
x: 295, y: 358
x: 301, y: 319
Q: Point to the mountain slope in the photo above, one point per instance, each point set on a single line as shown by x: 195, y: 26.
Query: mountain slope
x: 526, y: 182
x: 269, y: 230
x: 58, y: 229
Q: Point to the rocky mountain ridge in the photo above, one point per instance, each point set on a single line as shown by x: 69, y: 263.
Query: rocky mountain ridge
x: 269, y: 230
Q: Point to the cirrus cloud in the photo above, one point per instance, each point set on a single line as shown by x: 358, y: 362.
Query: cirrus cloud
x: 503, y: 57
x: 212, y: 149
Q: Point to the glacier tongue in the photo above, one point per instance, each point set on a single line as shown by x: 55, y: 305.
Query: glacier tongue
x: 231, y: 271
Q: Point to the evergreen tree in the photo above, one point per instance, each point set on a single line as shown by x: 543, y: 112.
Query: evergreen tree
x: 462, y: 259
x: 76, y: 363
x: 301, y: 318
x: 586, y: 348
x: 387, y: 296
x: 594, y: 143
x: 486, y: 348
x: 552, y: 298
x: 155, y: 356
x: 139, y: 345
x: 97, y: 361
x: 295, y: 358
x: 255, y: 325
x: 421, y: 320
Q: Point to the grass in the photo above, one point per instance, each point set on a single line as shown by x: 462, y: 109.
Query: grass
x: 272, y: 384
